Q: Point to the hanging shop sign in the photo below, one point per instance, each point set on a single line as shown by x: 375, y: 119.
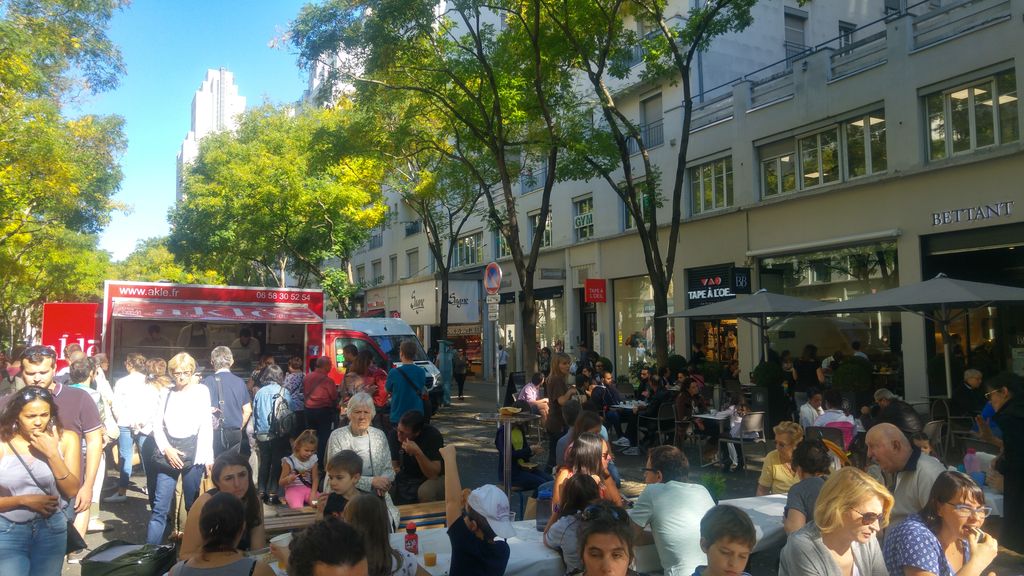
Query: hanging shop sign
x: 595, y: 290
x: 708, y: 285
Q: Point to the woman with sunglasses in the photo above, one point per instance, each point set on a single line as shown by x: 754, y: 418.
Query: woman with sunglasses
x: 945, y: 538
x: 852, y: 508
x: 37, y: 481
x: 183, y: 432
x: 590, y: 455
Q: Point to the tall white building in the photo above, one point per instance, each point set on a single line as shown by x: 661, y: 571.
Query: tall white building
x: 215, y: 108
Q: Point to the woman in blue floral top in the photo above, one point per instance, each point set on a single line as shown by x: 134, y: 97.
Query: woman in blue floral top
x: 945, y: 538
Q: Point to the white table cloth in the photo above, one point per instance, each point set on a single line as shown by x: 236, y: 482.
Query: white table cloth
x: 767, y: 514
x: 529, y: 556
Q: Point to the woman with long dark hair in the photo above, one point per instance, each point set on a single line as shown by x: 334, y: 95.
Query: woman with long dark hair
x: 221, y: 524
x: 232, y: 475
x: 589, y: 455
x: 945, y: 538
x: 39, y: 468
x: 369, y: 516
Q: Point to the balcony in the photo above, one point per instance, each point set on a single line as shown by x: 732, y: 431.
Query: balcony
x: 653, y: 135
x: 413, y: 228
x: 376, y: 240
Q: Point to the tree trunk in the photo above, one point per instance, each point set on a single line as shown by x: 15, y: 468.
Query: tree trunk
x: 660, y: 289
x: 528, y: 316
x: 444, y: 302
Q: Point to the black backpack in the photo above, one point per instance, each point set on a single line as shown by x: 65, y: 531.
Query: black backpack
x: 282, y: 419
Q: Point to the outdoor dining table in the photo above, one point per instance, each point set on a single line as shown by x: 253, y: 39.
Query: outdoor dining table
x: 767, y: 513
x: 529, y: 556
x: 722, y: 419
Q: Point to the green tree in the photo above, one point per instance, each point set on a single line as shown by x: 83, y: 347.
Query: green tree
x: 277, y: 199
x: 602, y: 47
x: 58, y: 173
x: 151, y: 261
x: 493, y: 76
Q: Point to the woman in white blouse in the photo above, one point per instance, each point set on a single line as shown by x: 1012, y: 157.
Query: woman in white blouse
x: 184, y: 441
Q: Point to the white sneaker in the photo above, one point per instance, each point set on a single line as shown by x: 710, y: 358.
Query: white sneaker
x: 631, y: 451
x: 115, y: 498
x: 622, y: 441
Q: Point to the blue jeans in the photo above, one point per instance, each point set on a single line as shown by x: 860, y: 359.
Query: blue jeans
x: 34, y: 548
x: 124, y: 452
x: 164, y: 498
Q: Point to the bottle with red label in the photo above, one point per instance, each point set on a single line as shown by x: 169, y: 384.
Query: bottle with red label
x: 412, y: 541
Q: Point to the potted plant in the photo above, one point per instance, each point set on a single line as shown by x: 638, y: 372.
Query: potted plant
x: 853, y: 376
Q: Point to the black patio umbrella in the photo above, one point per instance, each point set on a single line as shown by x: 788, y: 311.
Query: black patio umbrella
x: 942, y: 300
x: 756, y: 309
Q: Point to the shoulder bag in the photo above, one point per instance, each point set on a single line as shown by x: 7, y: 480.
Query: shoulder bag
x: 187, y: 446
x: 75, y: 540
x: 424, y: 395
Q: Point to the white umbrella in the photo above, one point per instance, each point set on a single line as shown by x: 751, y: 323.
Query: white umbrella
x: 941, y: 300
x: 756, y: 309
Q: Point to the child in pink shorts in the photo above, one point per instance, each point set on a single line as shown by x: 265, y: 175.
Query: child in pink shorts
x: 299, y: 471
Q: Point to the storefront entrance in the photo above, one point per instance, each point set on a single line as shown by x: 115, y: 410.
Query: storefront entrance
x: 990, y: 339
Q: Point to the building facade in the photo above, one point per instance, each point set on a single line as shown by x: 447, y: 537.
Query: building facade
x: 215, y: 107
x: 875, y: 158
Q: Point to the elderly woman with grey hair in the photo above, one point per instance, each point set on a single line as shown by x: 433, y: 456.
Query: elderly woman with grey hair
x: 371, y: 445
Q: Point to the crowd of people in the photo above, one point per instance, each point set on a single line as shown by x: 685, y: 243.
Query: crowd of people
x: 357, y: 449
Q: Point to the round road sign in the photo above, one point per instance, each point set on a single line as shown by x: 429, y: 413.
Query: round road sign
x: 492, y: 278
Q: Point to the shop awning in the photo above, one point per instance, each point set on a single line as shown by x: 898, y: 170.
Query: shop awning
x: 214, y: 312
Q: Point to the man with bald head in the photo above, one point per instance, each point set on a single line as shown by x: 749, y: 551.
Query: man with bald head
x: 903, y: 468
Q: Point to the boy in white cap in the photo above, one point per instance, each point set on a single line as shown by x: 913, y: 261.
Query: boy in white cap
x: 474, y: 525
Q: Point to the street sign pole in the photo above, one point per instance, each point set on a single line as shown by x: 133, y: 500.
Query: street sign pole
x: 492, y: 284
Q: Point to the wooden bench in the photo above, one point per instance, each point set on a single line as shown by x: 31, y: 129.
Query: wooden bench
x: 288, y: 520
x: 425, y: 515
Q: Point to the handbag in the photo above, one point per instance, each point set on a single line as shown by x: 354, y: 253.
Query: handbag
x: 75, y: 540
x: 120, y: 558
x: 187, y: 446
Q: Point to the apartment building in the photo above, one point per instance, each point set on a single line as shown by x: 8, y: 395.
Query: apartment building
x: 881, y: 154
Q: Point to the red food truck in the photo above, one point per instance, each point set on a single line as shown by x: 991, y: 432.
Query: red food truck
x: 159, y: 320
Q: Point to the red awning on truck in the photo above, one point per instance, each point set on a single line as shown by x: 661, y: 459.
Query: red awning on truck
x: 214, y: 312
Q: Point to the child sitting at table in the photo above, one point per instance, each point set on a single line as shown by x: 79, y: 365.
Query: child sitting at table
x: 727, y: 536
x: 343, y: 473
x: 474, y: 523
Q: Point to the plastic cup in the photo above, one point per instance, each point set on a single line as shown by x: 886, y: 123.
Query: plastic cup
x: 430, y: 558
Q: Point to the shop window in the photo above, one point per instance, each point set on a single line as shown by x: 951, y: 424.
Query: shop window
x: 711, y: 185
x: 583, y: 218
x: 832, y: 276
x: 469, y: 250
x: 534, y: 219
x: 973, y: 116
x: 845, y: 151
x: 633, y: 300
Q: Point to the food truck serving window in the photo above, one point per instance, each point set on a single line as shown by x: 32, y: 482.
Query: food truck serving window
x: 214, y: 312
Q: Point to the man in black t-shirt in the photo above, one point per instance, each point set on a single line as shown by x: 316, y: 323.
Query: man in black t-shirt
x: 417, y: 451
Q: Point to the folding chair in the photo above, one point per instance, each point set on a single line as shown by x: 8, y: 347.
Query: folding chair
x: 752, y: 423
x: 665, y: 421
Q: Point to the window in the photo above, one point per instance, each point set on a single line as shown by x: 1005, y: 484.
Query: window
x: 646, y: 205
x: 360, y: 275
x: 412, y: 228
x: 819, y: 158
x: 795, y: 43
x: 412, y: 263
x: 711, y: 185
x: 469, y: 250
x: 376, y: 239
x: 849, y: 150
x: 973, y: 116
x: 846, y: 30
x: 865, y: 145
x: 534, y: 220
x: 651, y: 126
x: 583, y: 218
x: 393, y: 267
x: 377, y: 276
x: 501, y: 246
x: 533, y: 177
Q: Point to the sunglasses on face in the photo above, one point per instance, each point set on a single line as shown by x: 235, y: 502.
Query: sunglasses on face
x: 988, y: 395
x: 869, y: 518
x: 39, y: 351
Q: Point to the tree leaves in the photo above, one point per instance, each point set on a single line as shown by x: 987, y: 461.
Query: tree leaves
x: 279, y: 199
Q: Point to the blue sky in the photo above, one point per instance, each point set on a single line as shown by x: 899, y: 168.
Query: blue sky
x: 167, y: 47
